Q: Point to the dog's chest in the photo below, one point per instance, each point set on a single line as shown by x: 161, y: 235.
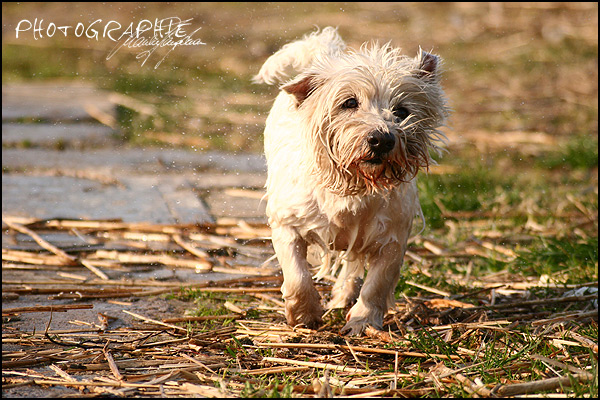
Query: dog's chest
x: 351, y: 230
x: 363, y: 224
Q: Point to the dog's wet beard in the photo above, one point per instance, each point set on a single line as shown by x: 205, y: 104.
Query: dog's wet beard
x: 380, y: 174
x: 370, y: 173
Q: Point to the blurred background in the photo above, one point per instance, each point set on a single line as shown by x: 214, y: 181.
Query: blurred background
x: 510, y: 67
x: 521, y: 78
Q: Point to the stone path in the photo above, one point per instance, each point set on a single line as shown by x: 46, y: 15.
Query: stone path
x: 59, y: 162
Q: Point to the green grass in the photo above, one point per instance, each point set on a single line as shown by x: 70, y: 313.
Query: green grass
x: 580, y: 152
x: 567, y: 261
x: 471, y: 190
x: 268, y: 388
x: 206, y: 303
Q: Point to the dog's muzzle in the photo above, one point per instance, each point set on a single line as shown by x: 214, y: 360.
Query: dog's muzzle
x: 380, y: 143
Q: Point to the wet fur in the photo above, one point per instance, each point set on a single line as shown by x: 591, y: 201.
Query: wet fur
x: 325, y: 185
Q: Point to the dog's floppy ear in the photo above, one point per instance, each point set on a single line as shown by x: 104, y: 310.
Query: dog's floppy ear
x: 428, y: 65
x: 301, y: 87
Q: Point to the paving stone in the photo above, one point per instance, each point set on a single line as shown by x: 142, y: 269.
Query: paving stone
x: 231, y: 204
x: 94, y: 178
x: 47, y: 197
x: 177, y: 193
x: 54, y: 101
x: 142, y: 198
x: 64, y: 240
x: 131, y: 160
x: 51, y: 135
x: 210, y: 181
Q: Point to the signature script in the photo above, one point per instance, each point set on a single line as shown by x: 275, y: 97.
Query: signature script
x: 146, y: 35
x: 168, y: 32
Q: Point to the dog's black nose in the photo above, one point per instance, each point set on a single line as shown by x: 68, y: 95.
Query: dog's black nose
x: 381, y: 142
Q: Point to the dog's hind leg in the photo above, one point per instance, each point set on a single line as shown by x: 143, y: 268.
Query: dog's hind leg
x: 377, y: 293
x: 383, y: 273
x: 348, y: 284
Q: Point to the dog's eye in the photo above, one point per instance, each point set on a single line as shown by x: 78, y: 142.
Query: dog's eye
x: 350, y: 103
x: 401, y: 113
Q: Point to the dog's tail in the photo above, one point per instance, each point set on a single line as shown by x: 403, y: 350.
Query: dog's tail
x: 295, y: 57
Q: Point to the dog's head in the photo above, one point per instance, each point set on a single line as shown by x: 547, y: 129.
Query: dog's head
x: 370, y: 116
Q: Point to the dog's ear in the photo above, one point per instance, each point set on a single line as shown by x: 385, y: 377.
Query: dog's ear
x: 428, y: 65
x: 301, y: 87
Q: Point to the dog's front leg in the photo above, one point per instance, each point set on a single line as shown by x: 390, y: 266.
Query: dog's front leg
x: 302, y: 301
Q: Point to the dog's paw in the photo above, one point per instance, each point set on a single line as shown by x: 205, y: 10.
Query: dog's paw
x: 311, y: 320
x: 306, y: 311
x: 360, y: 317
x: 341, y: 302
x: 355, y: 327
x: 346, y: 295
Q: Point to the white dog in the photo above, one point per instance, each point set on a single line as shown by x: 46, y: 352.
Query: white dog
x: 344, y: 140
